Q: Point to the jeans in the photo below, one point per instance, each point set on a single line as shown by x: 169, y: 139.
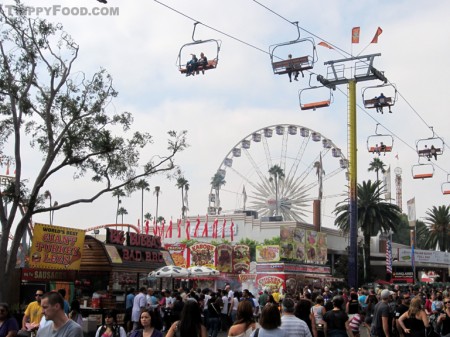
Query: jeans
x: 214, y: 325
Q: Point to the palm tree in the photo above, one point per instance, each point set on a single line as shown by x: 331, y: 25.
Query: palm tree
x: 276, y: 173
x: 122, y: 211
x: 48, y: 195
x: 118, y: 193
x: 377, y: 165
x: 438, y: 220
x: 373, y: 215
x: 182, y: 184
x: 156, y: 192
x: 217, y: 181
x: 143, y: 185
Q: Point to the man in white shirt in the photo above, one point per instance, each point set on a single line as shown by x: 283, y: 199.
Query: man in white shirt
x: 139, y: 304
x: 294, y: 326
x: 224, y: 314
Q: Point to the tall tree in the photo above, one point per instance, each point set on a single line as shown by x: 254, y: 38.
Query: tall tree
x: 144, y: 186
x: 183, y: 185
x: 377, y: 165
x: 438, y: 221
x: 217, y: 181
x: 119, y: 193
x: 65, y: 119
x: 122, y: 211
x: 157, y: 192
x: 276, y: 174
x: 373, y: 216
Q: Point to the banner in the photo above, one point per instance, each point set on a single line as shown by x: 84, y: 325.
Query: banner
x: 56, y: 247
x: 241, y: 259
x: 268, y: 253
x: 225, y: 258
x: 411, y: 204
x: 271, y: 282
x: 203, y: 254
x: 178, y: 252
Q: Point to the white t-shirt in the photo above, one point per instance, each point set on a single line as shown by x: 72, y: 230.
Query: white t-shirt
x: 225, y: 305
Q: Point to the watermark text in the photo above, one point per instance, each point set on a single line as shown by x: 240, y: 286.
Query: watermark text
x: 63, y: 10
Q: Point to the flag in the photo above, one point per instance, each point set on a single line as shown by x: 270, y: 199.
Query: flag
x: 214, y: 228
x: 7, y: 168
x: 205, y: 230
x: 378, y: 33
x: 396, y: 156
x: 223, y: 227
x: 232, y: 230
x: 161, y: 234
x: 147, y: 226
x: 196, y: 226
x: 179, y: 228
x: 169, y: 230
x: 411, y: 204
x: 188, y: 229
x: 388, y: 257
x: 355, y: 34
x: 387, y: 184
x: 324, y: 44
x: 155, y: 227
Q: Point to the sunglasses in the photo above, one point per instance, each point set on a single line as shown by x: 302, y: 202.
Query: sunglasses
x: 40, y: 295
x: 447, y: 302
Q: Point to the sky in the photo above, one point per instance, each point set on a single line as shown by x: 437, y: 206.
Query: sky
x: 139, y: 48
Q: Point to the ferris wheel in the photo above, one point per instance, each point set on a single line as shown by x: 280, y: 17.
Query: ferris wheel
x: 313, y: 168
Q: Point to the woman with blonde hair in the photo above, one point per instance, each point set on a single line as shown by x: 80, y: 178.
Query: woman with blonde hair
x: 415, y: 320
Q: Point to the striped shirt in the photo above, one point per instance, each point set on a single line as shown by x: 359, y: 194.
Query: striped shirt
x: 355, y: 322
x: 294, y: 326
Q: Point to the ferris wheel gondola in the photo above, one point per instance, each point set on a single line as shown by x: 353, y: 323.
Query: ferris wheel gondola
x: 210, y: 48
x: 293, y: 56
x: 430, y: 148
x: 379, y: 143
x: 380, y: 96
x: 310, y: 161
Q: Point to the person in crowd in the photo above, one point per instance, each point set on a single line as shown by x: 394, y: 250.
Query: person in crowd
x: 358, y: 321
x: 152, y: 301
x: 177, y: 307
x: 362, y: 295
x: 62, y: 291
x: 381, y: 315
x: 302, y: 311
x: 415, y: 320
x: 150, y: 324
x: 352, y: 306
x: 294, y: 326
x: 190, y: 323
x: 263, y: 298
x: 129, y: 298
x: 336, y: 320
x: 214, y: 308
x: 371, y: 303
x: 110, y: 328
x: 8, y: 324
x: 234, y: 305
x: 443, y: 321
x: 206, y: 293
x: 225, y: 314
x: 244, y: 324
x: 318, y: 310
x: 139, y: 304
x: 191, y: 65
x: 33, y: 314
x: 53, y: 309
x: 203, y: 62
x: 75, y: 312
x: 400, y: 309
x: 166, y: 304
x: 270, y: 322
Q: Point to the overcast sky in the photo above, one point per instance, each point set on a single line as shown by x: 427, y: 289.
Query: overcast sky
x: 139, y: 48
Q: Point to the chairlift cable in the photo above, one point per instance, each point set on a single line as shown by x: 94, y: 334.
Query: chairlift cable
x: 212, y: 28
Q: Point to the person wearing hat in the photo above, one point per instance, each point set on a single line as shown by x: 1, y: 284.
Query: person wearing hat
x: 381, y: 315
x: 294, y: 326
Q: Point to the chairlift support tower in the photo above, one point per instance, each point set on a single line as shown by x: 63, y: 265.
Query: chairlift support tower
x: 361, y: 69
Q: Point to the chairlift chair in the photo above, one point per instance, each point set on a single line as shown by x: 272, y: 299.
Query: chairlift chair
x: 422, y: 171
x: 379, y: 143
x: 372, y: 96
x: 199, y: 45
x: 430, y: 147
x: 299, y: 61
x: 306, y: 104
x: 445, y: 187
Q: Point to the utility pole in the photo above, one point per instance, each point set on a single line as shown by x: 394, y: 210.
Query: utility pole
x: 360, y: 69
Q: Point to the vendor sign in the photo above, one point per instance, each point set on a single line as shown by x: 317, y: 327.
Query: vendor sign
x: 241, y: 259
x: 203, y: 254
x: 56, y: 247
x: 273, y: 282
x: 224, y: 258
x: 178, y: 251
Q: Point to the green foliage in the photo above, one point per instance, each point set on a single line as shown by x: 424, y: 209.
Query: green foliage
x: 438, y: 221
x: 66, y: 120
x: 273, y: 241
x: 402, y: 234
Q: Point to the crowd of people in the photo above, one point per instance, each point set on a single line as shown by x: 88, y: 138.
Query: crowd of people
x: 376, y: 312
